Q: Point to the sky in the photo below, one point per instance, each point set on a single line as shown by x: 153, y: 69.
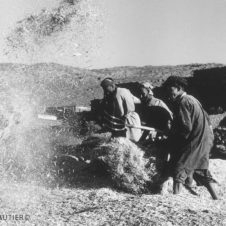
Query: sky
x: 143, y: 32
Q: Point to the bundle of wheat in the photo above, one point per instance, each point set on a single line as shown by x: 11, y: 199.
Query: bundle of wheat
x: 128, y: 167
x: 116, y: 160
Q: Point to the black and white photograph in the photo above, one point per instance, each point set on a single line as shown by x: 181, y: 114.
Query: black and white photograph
x: 113, y: 112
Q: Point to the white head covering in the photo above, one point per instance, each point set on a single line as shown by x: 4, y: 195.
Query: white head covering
x: 148, y: 86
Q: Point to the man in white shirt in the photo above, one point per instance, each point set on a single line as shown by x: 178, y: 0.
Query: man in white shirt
x: 119, y: 107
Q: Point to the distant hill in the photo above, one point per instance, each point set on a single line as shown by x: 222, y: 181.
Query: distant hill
x: 55, y: 85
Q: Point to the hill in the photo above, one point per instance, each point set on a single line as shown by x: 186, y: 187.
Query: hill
x: 54, y: 85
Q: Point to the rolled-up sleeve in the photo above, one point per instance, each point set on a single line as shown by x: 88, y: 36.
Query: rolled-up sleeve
x: 136, y: 100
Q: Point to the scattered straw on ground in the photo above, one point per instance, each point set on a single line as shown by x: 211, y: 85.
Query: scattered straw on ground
x: 104, y: 206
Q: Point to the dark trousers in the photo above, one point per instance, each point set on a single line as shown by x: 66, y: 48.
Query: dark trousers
x: 201, y: 176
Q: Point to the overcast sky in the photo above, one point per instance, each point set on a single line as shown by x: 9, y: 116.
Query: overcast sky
x: 145, y: 32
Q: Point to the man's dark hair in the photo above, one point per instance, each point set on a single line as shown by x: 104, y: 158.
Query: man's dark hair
x: 107, y: 81
x: 175, y: 81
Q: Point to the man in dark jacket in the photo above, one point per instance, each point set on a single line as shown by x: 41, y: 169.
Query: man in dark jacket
x: 155, y: 112
x: 191, y: 138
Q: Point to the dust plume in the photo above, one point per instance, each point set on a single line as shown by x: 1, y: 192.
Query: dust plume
x: 71, y: 33
x: 27, y: 144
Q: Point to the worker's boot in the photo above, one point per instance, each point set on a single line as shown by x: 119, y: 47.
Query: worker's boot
x: 177, y: 188
x: 211, y: 190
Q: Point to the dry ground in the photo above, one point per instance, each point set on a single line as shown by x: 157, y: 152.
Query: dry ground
x: 96, y: 202
x: 106, y: 206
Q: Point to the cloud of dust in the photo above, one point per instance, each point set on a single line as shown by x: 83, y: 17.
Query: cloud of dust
x: 71, y: 30
x: 24, y: 146
x: 27, y: 144
x: 69, y: 33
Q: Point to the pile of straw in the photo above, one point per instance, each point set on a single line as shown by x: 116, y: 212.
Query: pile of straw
x: 128, y: 167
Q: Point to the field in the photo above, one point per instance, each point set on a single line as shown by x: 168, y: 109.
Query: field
x: 30, y: 185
